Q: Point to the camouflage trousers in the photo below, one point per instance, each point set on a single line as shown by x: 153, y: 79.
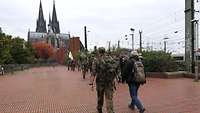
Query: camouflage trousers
x: 107, y: 90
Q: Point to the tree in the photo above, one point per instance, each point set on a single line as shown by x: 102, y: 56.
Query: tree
x: 43, y: 50
x: 15, y: 50
x: 158, y: 61
x: 66, y: 59
x: 30, y: 52
x: 6, y: 57
x: 18, y: 51
x: 5, y: 47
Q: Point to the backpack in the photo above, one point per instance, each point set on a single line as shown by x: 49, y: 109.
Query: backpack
x: 139, y: 74
x: 107, y: 67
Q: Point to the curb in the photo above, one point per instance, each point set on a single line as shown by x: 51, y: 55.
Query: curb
x: 170, y: 75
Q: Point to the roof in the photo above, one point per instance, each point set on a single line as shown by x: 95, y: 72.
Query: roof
x: 63, y: 35
x: 37, y: 35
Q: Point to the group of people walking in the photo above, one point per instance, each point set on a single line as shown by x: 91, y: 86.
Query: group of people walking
x: 104, y: 69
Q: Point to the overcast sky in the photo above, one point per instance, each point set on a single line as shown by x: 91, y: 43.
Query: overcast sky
x: 107, y: 20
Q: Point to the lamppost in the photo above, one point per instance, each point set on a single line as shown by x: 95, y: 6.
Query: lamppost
x: 165, y: 44
x: 109, y: 48
x: 118, y: 44
x: 132, y: 37
x: 85, y: 33
x: 196, y: 42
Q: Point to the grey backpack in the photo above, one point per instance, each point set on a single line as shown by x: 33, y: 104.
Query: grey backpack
x: 139, y: 74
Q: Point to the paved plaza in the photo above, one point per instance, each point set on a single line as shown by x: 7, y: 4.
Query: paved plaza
x: 56, y: 90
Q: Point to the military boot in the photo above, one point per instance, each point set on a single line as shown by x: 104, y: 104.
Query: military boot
x: 100, y: 111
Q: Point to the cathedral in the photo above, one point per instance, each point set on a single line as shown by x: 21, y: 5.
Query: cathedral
x: 50, y: 34
x: 53, y: 25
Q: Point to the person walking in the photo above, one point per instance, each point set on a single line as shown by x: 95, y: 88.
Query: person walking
x: 133, y: 84
x: 103, y: 69
x: 84, y: 67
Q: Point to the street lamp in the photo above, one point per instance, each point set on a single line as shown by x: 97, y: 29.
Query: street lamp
x: 132, y: 37
x: 127, y: 40
x: 165, y: 44
x: 175, y: 31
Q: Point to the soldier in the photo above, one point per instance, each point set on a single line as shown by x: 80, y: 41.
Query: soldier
x: 117, y: 71
x: 73, y: 65
x: 1, y: 70
x: 68, y: 64
x: 103, y: 69
x: 123, y: 63
x: 79, y: 65
x: 90, y: 60
x: 84, y: 65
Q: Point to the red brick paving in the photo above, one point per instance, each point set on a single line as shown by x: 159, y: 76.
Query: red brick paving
x: 56, y: 90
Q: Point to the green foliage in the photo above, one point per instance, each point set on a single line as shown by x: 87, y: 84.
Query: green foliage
x: 78, y: 56
x: 158, y: 61
x: 182, y: 66
x: 30, y: 52
x: 5, y: 56
x: 15, y: 50
x: 67, y: 59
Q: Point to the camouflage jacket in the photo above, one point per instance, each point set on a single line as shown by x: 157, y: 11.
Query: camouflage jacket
x: 104, y: 68
x: 84, y: 63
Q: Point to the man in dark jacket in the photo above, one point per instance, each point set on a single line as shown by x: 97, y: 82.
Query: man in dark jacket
x: 133, y: 86
x: 122, y: 62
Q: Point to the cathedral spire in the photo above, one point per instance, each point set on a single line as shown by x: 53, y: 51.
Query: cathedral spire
x: 54, y: 16
x: 49, y: 19
x: 40, y: 16
x: 41, y: 23
x: 50, y: 30
x: 55, y: 23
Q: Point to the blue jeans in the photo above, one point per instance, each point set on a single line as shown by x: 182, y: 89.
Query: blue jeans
x: 134, y: 98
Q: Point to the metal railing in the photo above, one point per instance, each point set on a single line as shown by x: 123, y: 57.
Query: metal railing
x: 11, y: 68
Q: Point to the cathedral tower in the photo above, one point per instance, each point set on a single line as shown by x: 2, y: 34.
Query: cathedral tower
x: 41, y: 23
x: 55, y: 23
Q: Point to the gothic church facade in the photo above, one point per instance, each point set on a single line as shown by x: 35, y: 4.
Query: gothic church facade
x: 50, y: 34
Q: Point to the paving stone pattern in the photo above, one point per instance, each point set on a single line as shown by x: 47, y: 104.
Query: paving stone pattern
x: 56, y: 90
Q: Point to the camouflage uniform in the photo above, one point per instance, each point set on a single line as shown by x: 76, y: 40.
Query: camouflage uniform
x: 68, y: 64
x: 90, y: 60
x: 117, y: 71
x: 73, y: 65
x: 104, y: 81
x: 84, y: 67
x: 79, y: 65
